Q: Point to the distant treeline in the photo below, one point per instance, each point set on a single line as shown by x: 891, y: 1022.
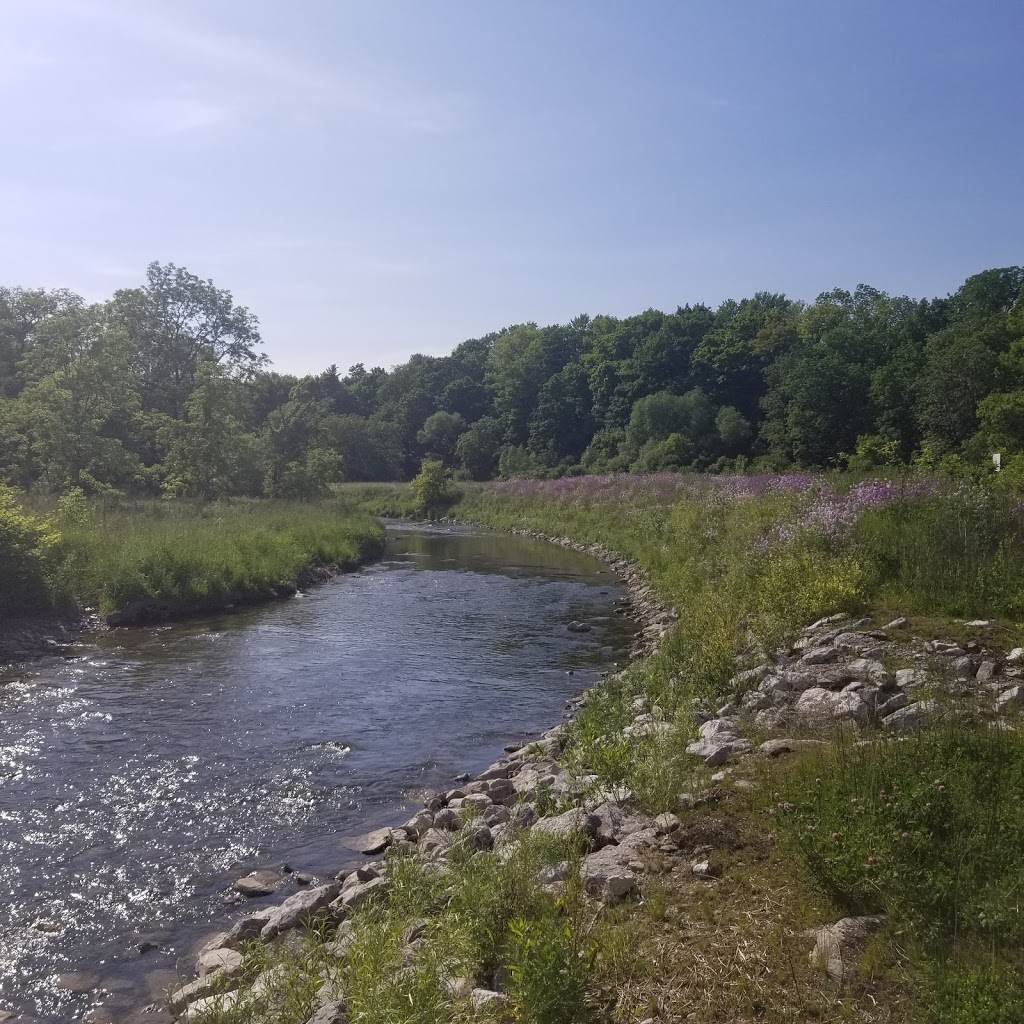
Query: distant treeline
x: 164, y: 389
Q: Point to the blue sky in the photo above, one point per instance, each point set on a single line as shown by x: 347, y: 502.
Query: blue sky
x: 381, y: 177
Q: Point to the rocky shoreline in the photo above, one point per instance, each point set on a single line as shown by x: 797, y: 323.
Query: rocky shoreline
x: 841, y: 673
x: 500, y: 803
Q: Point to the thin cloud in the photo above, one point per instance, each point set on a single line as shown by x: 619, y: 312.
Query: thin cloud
x: 241, y: 68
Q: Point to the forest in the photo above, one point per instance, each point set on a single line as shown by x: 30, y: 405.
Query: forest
x: 165, y: 390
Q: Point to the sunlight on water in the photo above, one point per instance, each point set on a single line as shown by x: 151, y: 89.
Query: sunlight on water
x: 141, y: 776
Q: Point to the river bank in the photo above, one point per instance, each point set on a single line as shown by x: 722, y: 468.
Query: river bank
x: 160, y: 562
x: 758, y: 732
x: 187, y: 755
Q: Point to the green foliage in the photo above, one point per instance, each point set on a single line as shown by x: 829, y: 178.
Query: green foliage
x: 25, y: 541
x: 926, y: 829
x: 432, y: 488
x: 440, y: 435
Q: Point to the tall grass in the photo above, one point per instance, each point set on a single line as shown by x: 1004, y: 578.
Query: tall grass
x: 927, y: 829
x: 182, y: 558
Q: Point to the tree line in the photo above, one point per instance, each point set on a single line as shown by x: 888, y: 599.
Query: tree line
x: 165, y: 389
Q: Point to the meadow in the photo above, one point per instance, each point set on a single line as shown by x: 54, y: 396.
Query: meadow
x: 172, y: 558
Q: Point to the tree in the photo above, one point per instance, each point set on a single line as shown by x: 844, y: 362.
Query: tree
x: 478, y: 448
x: 210, y: 453
x: 370, y: 449
x: 177, y: 322
x: 22, y: 311
x: 440, y: 435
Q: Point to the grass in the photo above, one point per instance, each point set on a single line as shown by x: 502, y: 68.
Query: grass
x: 180, y: 558
x: 747, y: 564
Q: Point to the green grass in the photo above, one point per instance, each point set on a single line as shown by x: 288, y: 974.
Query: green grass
x: 183, y: 558
x: 927, y: 829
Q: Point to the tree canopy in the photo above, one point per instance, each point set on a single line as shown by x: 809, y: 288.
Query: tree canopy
x: 165, y: 389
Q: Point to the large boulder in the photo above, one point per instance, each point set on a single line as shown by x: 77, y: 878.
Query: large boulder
x: 823, y: 706
x: 607, y: 876
x: 299, y: 910
x: 575, y: 821
x: 913, y: 716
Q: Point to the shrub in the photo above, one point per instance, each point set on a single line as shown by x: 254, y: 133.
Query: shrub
x: 25, y: 541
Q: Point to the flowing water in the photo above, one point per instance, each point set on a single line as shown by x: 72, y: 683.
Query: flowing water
x: 148, y: 768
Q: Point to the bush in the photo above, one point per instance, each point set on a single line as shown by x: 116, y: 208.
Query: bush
x: 433, y: 489
x: 25, y: 542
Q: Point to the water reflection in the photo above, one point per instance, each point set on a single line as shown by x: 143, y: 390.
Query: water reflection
x: 142, y: 775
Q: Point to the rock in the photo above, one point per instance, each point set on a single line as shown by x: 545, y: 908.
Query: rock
x: 448, y: 820
x: 705, y: 869
x: 247, y: 928
x: 375, y: 842
x: 578, y: 627
x: 743, y: 680
x: 333, y: 1012
x: 666, y: 823
x: 836, y: 945
x: 825, y: 706
x: 1016, y: 655
x: 909, y: 677
x: 820, y: 656
x: 435, y: 839
x: 963, y: 667
x: 359, y: 894
x: 229, y: 961
x: 978, y: 623
x: 478, y: 837
x: 367, y: 873
x: 259, y: 883
x: 900, y: 623
x: 201, y: 990
x: 893, y: 704
x: 913, y: 716
x: 986, y: 671
x: 496, y: 814
x: 1013, y: 697
x: 418, y: 824
x: 300, y: 909
x: 477, y: 800
x: 574, y: 821
x: 779, y: 747
x: 502, y: 791
x: 201, y: 1008
x: 483, y: 998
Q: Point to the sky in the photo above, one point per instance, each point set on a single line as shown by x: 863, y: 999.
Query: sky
x: 383, y: 177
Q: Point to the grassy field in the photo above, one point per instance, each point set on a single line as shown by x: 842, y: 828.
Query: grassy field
x: 172, y: 557
x: 926, y: 830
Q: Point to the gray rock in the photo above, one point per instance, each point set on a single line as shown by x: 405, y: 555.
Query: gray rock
x: 1013, y: 697
x: 479, y: 837
x: 910, y: 677
x: 986, y: 671
x: 375, y: 842
x: 221, y: 1002
x: 963, y: 667
x: 913, y: 716
x: 706, y: 869
x: 229, y: 961
x: 496, y: 814
x: 299, y: 910
x: 836, y: 945
x: 259, y: 883
x: 666, y: 823
x: 893, y: 704
x: 210, y: 985
x: 360, y: 894
x: 502, y: 791
x: 1016, y: 655
x: 448, y: 820
x: 248, y: 928
x: 418, y: 824
x: 574, y: 821
x: 606, y: 876
x: 482, y: 998
x: 818, y: 704
x: 780, y: 747
x: 820, y: 656
x: 900, y: 623
x: 334, y: 1012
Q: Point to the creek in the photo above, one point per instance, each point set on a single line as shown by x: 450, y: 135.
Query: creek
x: 144, y: 770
